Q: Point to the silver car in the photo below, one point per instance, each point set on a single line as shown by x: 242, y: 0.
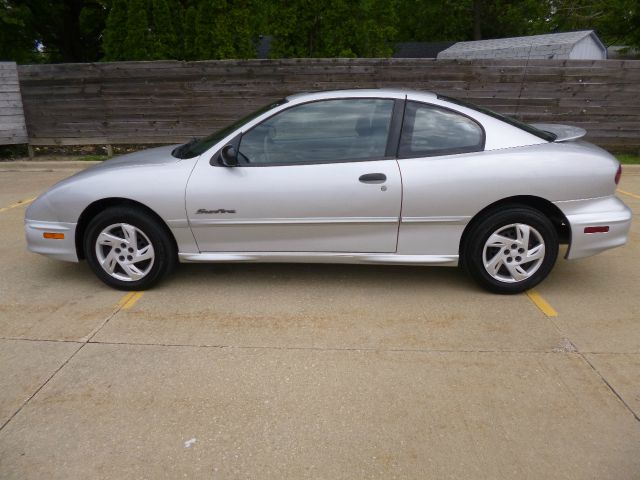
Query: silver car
x: 384, y: 176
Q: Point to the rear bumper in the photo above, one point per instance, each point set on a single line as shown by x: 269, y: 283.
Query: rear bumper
x: 64, y: 249
x: 597, y: 212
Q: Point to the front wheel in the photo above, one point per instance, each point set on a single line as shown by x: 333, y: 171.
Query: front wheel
x: 127, y: 250
x: 511, y: 250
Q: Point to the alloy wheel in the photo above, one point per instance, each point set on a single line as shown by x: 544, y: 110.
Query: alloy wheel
x: 513, y: 253
x: 124, y: 252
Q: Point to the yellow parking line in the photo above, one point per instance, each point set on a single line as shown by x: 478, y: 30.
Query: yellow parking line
x: 633, y: 195
x: 129, y: 300
x: 125, y: 299
x: 541, y: 303
x: 19, y: 203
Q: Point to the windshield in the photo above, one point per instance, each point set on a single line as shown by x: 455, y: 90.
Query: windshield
x: 198, y: 146
x: 549, y: 137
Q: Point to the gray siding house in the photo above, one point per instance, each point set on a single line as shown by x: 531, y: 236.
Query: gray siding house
x: 582, y: 45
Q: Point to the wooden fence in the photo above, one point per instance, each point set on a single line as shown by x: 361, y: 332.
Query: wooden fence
x: 12, y: 125
x: 168, y: 101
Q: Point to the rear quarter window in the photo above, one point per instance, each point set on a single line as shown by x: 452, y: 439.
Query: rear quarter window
x: 429, y: 130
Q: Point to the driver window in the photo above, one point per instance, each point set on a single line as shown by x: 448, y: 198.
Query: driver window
x: 317, y: 132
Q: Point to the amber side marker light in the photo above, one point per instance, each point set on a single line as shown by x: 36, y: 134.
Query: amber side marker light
x: 596, y: 229
x: 53, y: 235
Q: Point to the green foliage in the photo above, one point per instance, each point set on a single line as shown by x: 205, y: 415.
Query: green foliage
x: 136, y: 41
x: 88, y: 30
x: 189, y: 35
x: 115, y: 31
x: 329, y: 28
x: 164, y: 43
x: 223, y: 30
x: 15, y: 42
x: 459, y: 20
x: 628, y: 159
x: 616, y: 21
x: 48, y: 31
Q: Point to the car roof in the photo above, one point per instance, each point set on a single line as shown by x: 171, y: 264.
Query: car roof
x: 359, y: 92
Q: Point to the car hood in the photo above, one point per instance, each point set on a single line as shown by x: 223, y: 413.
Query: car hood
x: 152, y: 156
x: 563, y: 133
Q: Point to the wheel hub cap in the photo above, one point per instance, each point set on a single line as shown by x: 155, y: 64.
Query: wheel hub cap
x: 124, y: 252
x: 513, y: 253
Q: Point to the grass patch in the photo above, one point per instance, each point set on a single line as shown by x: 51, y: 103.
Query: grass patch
x: 628, y: 158
x: 93, y: 158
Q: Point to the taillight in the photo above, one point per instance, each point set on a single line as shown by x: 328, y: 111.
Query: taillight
x: 602, y: 229
x: 618, y: 174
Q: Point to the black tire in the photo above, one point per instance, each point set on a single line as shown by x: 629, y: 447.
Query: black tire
x: 164, y: 251
x: 473, y: 250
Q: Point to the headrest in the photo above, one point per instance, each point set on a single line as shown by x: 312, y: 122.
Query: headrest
x: 363, y: 127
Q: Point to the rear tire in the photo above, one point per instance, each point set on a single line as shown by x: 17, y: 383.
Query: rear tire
x: 510, y: 250
x: 127, y: 249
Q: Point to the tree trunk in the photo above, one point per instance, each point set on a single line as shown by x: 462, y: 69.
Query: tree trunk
x: 477, y: 19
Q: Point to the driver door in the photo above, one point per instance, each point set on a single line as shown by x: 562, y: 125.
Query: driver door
x: 316, y: 177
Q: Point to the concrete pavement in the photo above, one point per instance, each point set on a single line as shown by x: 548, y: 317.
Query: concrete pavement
x: 314, y: 371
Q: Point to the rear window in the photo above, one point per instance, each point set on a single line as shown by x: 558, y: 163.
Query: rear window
x: 549, y: 137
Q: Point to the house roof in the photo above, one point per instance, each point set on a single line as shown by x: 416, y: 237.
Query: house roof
x: 528, y: 42
x: 420, y: 49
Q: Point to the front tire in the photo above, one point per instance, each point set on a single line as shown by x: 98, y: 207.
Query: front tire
x: 127, y: 249
x: 510, y: 250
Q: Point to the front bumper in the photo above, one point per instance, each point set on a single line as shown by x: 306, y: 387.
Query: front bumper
x: 61, y: 249
x: 606, y: 211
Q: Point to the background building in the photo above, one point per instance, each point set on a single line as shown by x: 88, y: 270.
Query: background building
x: 581, y: 45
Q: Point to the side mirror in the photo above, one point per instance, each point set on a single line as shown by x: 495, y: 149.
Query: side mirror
x: 229, y: 156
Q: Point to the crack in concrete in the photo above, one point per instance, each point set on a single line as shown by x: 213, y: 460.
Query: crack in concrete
x: 82, y: 343
x: 613, y: 390
x: 565, y: 347
x: 275, y: 347
x: 570, y: 347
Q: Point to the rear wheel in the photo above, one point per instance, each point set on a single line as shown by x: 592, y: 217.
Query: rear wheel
x: 128, y: 250
x: 511, y: 250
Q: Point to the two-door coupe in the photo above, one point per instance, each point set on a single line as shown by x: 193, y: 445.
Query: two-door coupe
x: 356, y: 176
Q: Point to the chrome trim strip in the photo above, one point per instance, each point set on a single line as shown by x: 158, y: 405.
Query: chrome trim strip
x: 319, y: 257
x: 458, y: 219
x: 292, y: 221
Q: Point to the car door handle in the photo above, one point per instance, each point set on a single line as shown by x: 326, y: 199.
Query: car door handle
x: 373, y: 178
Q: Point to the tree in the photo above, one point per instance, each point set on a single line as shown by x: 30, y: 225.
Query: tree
x: 469, y: 19
x: 165, y: 43
x: 65, y: 30
x: 115, y: 31
x: 189, y: 35
x: 224, y: 30
x: 205, y: 32
x: 136, y: 42
x: 328, y: 28
x: 17, y: 40
x: 616, y: 21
